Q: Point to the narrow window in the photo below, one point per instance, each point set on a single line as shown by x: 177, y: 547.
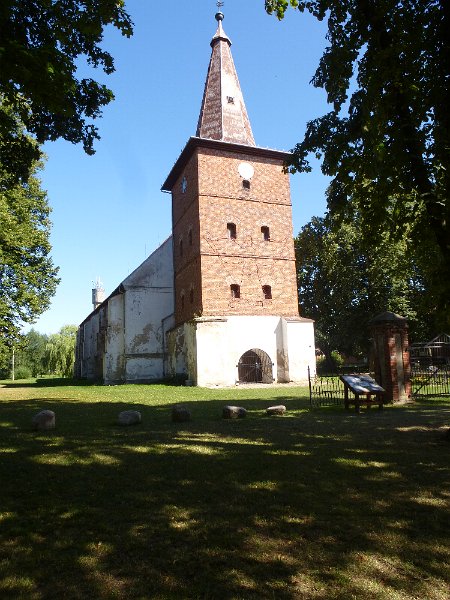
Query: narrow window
x: 182, y: 301
x: 246, y: 184
x: 231, y: 228
x: 191, y: 295
x: 265, y: 233
x: 190, y: 237
x: 181, y: 247
x: 235, y: 290
x: 267, y: 291
x: 230, y: 99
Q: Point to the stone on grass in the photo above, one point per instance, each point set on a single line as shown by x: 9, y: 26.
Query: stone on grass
x: 44, y: 420
x: 129, y: 417
x: 233, y: 412
x: 180, y: 414
x: 276, y: 410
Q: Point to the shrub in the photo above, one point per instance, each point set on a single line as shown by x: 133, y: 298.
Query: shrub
x: 324, y: 365
x: 23, y: 372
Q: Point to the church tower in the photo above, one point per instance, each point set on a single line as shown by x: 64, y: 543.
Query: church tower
x: 236, y: 309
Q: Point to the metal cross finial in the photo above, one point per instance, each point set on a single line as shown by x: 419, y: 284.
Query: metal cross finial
x: 219, y: 15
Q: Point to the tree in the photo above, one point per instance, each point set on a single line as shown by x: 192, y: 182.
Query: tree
x: 60, y: 351
x: 33, y: 352
x: 42, y: 42
x: 28, y: 278
x: 29, y: 354
x: 343, y: 284
x: 386, y: 141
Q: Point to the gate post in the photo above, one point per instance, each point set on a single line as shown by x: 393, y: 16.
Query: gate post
x: 391, y: 355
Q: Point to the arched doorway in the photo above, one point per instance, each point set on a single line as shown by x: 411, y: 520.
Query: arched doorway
x: 255, y: 366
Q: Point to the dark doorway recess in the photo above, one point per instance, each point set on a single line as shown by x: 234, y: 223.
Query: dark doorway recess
x: 255, y: 366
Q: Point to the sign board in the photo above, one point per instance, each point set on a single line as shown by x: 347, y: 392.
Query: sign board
x: 362, y: 384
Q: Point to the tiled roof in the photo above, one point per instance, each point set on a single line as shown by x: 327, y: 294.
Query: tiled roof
x: 223, y: 115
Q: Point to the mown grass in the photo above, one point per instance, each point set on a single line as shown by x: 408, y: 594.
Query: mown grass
x: 317, y: 504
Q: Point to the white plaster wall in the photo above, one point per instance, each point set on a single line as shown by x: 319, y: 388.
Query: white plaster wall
x: 145, y: 310
x: 148, y: 302
x: 142, y: 369
x: 115, y: 342
x: 301, y: 349
x: 282, y: 362
x: 176, y: 350
x: 138, y: 315
x: 91, y: 328
x: 213, y: 354
x: 182, y: 351
x: 221, y: 343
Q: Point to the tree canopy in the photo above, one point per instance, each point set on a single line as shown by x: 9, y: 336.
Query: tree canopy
x: 28, y: 278
x: 60, y: 351
x: 343, y: 284
x: 41, y: 91
x: 386, y: 140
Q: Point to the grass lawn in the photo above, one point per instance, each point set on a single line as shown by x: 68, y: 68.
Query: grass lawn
x: 316, y: 504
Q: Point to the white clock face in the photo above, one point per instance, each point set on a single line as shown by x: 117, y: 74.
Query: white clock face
x: 184, y: 184
x: 246, y: 171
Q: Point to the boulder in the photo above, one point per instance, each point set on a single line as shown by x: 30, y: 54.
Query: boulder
x: 44, y: 420
x: 129, y: 417
x: 276, y: 410
x: 233, y: 412
x: 180, y: 414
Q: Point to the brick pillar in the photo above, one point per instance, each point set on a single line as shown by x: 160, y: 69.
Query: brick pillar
x: 391, y: 355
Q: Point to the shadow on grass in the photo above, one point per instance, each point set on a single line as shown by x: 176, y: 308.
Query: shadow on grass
x: 46, y: 382
x: 318, y: 504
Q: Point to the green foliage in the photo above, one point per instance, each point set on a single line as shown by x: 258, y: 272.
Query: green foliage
x: 42, y: 43
x: 28, y: 278
x: 23, y: 372
x: 34, y: 351
x: 60, y: 351
x: 343, y: 284
x: 30, y: 353
x: 386, y: 140
x: 331, y: 363
x: 279, y: 7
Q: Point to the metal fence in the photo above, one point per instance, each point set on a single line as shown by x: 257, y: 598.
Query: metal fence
x: 327, y: 389
x: 430, y: 367
x: 429, y: 378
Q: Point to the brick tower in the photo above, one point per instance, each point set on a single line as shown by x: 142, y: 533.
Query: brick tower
x: 236, y: 309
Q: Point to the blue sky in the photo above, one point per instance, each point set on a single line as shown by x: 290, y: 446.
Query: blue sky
x: 108, y: 210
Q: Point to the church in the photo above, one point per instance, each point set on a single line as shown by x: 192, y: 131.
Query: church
x: 216, y: 304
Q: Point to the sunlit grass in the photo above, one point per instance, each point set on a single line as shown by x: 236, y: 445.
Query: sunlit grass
x: 317, y: 504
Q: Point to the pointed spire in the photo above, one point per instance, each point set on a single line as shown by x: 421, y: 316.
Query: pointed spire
x: 223, y: 115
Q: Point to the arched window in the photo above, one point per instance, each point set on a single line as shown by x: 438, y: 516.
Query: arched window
x: 246, y: 184
x: 265, y: 231
x: 235, y: 290
x: 191, y: 295
x: 231, y: 228
x: 267, y: 292
x: 181, y: 247
x: 190, y: 237
x: 182, y: 301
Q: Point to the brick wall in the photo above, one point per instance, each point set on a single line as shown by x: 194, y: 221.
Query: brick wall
x: 209, y: 262
x: 391, y: 360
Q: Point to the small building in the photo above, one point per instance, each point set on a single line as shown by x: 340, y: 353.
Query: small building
x: 217, y: 302
x: 435, y: 351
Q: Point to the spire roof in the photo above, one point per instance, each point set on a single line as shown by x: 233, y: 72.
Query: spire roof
x: 223, y: 115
